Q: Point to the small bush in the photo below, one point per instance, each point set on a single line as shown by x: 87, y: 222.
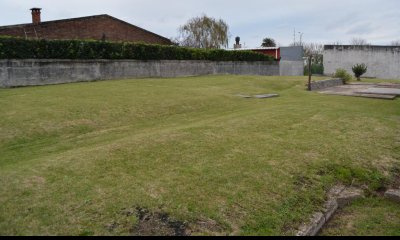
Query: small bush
x: 19, y: 48
x: 359, y: 70
x: 343, y: 74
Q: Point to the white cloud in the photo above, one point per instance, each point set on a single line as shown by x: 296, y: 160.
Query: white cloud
x: 320, y: 20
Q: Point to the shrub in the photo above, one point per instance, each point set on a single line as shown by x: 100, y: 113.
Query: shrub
x: 18, y: 48
x: 359, y: 70
x: 343, y: 74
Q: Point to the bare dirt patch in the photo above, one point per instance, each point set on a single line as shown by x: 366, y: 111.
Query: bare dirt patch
x: 210, y: 227
x: 158, y: 224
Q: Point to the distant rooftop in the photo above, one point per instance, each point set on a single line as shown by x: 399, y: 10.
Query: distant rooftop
x: 251, y: 49
x: 46, y: 23
x: 331, y: 47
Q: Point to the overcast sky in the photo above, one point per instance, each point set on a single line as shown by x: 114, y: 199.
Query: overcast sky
x: 320, y: 21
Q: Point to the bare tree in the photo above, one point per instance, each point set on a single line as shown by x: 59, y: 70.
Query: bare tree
x: 396, y: 43
x: 315, y: 50
x: 204, y: 32
x: 296, y: 44
x: 359, y: 42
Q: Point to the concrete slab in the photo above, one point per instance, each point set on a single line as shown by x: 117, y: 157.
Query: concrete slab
x: 266, y: 96
x: 361, y: 83
x: 381, y: 91
x: 367, y: 90
x: 244, y: 96
x: 376, y: 96
x: 262, y: 96
x: 389, y: 85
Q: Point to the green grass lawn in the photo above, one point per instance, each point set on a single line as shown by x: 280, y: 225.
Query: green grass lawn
x: 75, y: 157
x: 368, y: 217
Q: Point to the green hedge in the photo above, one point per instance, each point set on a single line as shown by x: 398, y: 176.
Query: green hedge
x: 18, y: 48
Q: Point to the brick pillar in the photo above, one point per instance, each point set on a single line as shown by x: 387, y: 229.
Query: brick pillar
x: 36, y: 15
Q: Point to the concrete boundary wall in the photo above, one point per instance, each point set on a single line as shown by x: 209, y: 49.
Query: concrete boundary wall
x: 291, y: 68
x: 34, y: 72
x: 292, y: 63
x: 382, y: 61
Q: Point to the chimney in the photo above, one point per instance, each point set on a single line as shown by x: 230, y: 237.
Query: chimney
x: 36, y: 15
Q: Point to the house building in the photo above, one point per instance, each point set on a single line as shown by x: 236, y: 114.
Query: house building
x: 291, y: 59
x: 99, y: 27
x: 274, y: 52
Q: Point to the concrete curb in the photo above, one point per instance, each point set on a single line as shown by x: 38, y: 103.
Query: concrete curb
x: 338, y: 197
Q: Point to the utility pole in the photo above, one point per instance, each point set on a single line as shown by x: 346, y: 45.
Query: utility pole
x: 294, y: 37
x: 309, y: 72
x: 301, y: 38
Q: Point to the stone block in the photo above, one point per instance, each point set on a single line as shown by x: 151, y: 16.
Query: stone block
x: 317, y: 222
x: 348, y: 196
x: 330, y: 208
x: 319, y: 85
x: 393, y: 195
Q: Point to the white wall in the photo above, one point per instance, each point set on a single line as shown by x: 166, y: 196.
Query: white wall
x: 382, y: 62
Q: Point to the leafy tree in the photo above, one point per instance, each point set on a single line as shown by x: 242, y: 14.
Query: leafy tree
x: 359, y: 70
x: 268, y: 42
x: 204, y: 32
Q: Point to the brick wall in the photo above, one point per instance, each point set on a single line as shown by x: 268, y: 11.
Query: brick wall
x: 94, y: 27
